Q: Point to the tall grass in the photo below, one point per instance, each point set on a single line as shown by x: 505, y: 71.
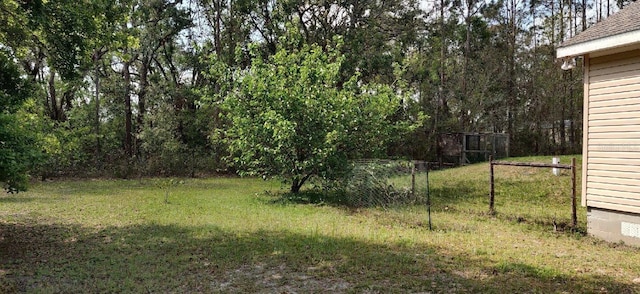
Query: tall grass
x: 239, y: 235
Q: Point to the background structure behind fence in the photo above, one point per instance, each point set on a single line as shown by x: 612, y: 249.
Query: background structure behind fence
x: 466, y: 148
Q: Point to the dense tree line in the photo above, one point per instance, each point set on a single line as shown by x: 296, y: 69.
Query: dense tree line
x: 138, y: 87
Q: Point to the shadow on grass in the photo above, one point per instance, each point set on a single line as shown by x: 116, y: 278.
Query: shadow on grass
x: 305, y: 197
x: 11, y: 198
x: 344, y: 200
x: 167, y: 258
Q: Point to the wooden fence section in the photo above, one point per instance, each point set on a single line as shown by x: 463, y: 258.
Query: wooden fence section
x: 572, y: 167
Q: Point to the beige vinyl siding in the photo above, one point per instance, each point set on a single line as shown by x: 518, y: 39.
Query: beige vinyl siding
x: 623, y: 82
x: 612, y: 151
x: 607, y: 104
x: 613, y: 175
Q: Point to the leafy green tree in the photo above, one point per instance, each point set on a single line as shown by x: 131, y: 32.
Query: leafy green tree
x: 290, y: 119
x: 18, y: 150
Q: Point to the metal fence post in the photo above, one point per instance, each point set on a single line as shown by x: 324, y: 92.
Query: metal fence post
x: 492, y: 186
x: 413, y: 179
x: 574, y: 214
x: 428, y: 197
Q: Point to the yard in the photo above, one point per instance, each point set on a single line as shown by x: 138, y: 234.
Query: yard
x: 241, y: 235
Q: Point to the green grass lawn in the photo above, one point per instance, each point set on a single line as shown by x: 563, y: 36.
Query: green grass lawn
x: 237, y: 235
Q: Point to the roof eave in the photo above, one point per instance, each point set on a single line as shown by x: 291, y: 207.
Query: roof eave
x: 606, y: 43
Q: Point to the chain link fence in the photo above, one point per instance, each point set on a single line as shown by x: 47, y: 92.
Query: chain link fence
x: 385, y: 183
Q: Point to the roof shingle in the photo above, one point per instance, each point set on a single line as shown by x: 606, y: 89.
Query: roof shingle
x: 626, y: 20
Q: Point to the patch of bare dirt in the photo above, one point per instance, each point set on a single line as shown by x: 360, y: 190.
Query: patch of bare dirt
x: 260, y: 278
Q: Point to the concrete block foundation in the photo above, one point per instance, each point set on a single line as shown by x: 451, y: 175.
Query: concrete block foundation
x: 614, y: 226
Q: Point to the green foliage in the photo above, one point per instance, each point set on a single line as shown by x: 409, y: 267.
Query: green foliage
x: 14, y: 90
x: 474, y: 66
x: 66, y: 25
x: 174, y: 137
x: 17, y: 153
x: 166, y: 185
x: 18, y: 147
x: 291, y: 119
x: 68, y: 145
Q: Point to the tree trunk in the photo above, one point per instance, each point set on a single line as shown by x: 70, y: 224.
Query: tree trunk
x: 441, y: 102
x: 217, y: 27
x: 295, y: 186
x: 511, y: 69
x: 297, y: 183
x: 97, y: 109
x: 142, y: 94
x: 53, y: 99
x: 128, y: 141
x: 553, y: 22
x: 465, y: 71
x: 443, y: 99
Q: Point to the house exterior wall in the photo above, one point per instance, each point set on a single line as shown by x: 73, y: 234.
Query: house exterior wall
x: 611, y: 163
